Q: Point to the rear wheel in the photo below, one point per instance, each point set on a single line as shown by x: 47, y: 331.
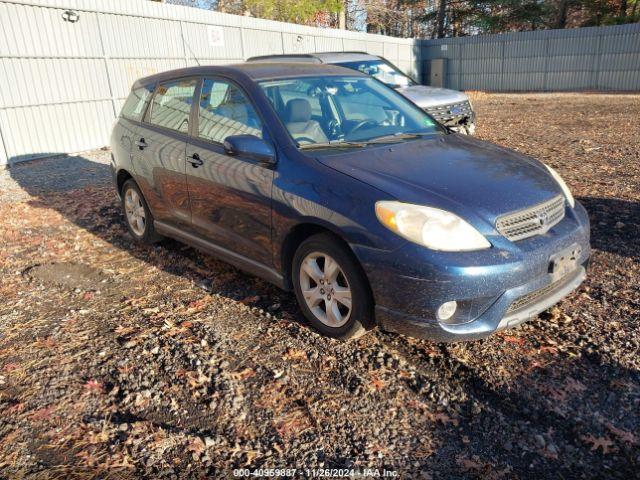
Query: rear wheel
x: 137, y: 214
x: 331, y: 288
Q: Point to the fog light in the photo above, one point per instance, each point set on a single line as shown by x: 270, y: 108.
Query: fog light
x: 446, y: 310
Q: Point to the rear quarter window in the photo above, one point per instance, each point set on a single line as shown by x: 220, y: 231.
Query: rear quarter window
x: 134, y: 106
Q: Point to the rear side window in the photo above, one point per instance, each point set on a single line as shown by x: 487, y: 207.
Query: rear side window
x: 171, y: 105
x: 133, y: 108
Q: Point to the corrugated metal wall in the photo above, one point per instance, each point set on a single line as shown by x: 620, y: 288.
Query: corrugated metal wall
x: 61, y: 83
x: 595, y: 58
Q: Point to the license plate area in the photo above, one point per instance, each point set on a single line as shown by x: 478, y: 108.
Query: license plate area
x: 564, y: 261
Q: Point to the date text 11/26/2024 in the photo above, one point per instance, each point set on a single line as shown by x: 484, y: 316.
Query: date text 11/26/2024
x: 315, y: 473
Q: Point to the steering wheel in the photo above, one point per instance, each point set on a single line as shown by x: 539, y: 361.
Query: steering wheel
x: 362, y: 124
x: 305, y: 139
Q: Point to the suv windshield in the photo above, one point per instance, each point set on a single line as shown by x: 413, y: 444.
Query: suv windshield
x: 381, y: 70
x: 345, y: 112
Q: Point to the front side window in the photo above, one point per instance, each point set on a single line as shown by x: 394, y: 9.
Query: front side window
x: 353, y: 109
x: 133, y: 108
x: 381, y: 70
x: 171, y: 105
x: 225, y: 110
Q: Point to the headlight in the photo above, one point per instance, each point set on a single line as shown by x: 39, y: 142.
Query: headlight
x: 433, y: 228
x: 565, y: 189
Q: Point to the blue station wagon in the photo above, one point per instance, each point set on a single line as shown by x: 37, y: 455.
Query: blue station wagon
x: 326, y: 182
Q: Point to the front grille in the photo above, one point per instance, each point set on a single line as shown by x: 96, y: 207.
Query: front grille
x: 532, y: 297
x: 535, y: 220
x: 451, y: 114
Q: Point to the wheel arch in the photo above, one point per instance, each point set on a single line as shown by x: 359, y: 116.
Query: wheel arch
x: 298, y: 234
x: 121, y: 177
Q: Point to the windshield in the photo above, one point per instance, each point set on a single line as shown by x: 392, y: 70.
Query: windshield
x: 345, y: 111
x: 381, y: 70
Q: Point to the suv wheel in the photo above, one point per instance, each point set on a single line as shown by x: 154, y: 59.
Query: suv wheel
x: 331, y: 288
x: 137, y: 214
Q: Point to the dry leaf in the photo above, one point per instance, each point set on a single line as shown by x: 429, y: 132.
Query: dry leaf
x: 293, y: 354
x: 623, y: 435
x: 599, y: 442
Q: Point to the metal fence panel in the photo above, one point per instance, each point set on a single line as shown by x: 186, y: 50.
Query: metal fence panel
x: 30, y: 31
x: 261, y: 42
x: 42, y: 130
x: 297, y: 43
x: 40, y: 81
x: 594, y: 58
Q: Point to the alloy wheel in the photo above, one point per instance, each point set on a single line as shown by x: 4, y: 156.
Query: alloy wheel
x: 325, y: 289
x: 135, y: 212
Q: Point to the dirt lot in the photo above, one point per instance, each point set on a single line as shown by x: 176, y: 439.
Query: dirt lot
x: 120, y: 361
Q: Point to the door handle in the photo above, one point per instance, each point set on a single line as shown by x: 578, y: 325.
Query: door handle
x: 195, y: 160
x: 142, y: 144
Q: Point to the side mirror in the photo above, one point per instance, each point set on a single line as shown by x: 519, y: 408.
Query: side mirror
x: 250, y: 146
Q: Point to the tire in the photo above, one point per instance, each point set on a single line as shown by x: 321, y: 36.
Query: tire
x: 325, y: 290
x: 135, y: 208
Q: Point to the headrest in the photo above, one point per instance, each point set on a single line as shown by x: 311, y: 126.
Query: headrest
x: 298, y: 110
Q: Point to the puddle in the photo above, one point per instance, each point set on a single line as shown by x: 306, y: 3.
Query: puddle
x: 69, y: 275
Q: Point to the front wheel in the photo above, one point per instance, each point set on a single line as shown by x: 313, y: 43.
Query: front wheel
x: 331, y: 288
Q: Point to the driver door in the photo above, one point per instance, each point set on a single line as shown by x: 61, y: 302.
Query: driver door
x: 230, y: 196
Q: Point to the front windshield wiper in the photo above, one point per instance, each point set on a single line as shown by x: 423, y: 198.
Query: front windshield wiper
x: 395, y: 137
x: 333, y: 144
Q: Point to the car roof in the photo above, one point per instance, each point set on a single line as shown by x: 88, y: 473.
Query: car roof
x: 254, y: 71
x: 320, y: 57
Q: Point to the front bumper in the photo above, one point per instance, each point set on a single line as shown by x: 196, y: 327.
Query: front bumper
x: 409, y: 284
x: 491, y: 321
x: 459, y: 117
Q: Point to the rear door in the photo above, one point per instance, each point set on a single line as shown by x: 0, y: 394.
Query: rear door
x: 124, y: 130
x: 230, y: 196
x: 159, y: 148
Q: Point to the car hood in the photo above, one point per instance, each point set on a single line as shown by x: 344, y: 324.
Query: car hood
x: 474, y: 179
x: 425, y: 96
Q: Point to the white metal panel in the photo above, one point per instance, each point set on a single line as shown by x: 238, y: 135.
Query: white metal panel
x: 328, y: 44
x: 47, y: 129
x: 127, y: 37
x: 375, y: 48
x: 28, y: 31
x: 3, y: 153
x: 123, y: 72
x: 37, y: 81
x: 390, y: 52
x: 261, y: 42
x: 212, y: 61
x: 405, y: 53
x: 199, y: 42
x: 298, y: 43
x: 353, y: 45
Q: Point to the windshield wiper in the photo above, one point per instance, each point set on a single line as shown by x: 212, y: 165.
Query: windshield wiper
x: 333, y: 144
x: 395, y: 136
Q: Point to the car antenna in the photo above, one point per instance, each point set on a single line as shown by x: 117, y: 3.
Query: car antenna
x: 190, y: 50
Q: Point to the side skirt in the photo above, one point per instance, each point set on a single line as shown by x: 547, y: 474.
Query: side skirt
x: 250, y: 266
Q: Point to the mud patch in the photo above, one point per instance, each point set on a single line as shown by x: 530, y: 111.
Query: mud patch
x: 69, y: 275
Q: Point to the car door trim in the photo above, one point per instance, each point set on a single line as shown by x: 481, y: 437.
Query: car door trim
x: 251, y: 266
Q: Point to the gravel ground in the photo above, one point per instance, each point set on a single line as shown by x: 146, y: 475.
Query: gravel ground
x: 121, y: 361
